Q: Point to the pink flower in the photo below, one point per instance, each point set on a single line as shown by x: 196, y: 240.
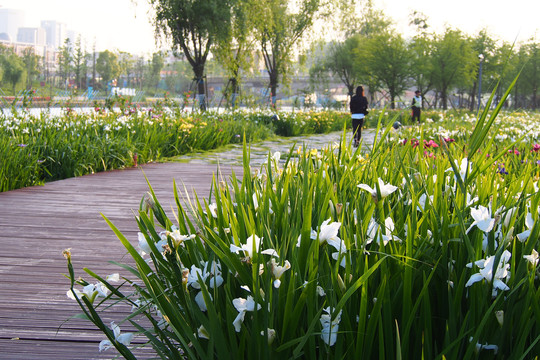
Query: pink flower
x: 515, y: 152
x: 536, y: 147
x: 449, y: 140
x: 430, y: 143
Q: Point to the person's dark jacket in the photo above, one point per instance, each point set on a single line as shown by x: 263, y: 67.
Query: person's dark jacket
x: 358, y: 104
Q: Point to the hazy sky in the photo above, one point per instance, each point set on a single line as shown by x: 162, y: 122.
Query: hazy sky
x: 125, y: 24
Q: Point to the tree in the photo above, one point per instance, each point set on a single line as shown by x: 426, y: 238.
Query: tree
x: 193, y: 26
x: 453, y: 62
x: 531, y: 71
x: 13, y: 69
x: 365, y: 22
x: 138, y: 71
x: 79, y: 63
x: 503, y: 67
x: 156, y: 65
x: 31, y: 64
x: 235, y: 51
x: 340, y: 61
x: 80, y: 67
x: 278, y: 30
x: 126, y: 63
x: 483, y: 46
x: 361, y: 17
x: 420, y: 48
x: 65, y: 60
x: 388, y: 60
x: 107, y: 66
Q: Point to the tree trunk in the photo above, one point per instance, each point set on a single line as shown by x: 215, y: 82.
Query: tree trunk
x: 444, y: 99
x: 472, y: 97
x: 234, y: 90
x: 198, y: 70
x: 273, y: 87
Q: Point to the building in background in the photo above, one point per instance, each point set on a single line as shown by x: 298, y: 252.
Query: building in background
x: 10, y: 22
x: 56, y: 33
x: 35, y: 36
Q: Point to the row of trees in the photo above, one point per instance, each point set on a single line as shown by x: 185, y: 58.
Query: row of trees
x: 16, y: 70
x: 77, y: 68
x: 372, y: 53
x: 445, y: 64
x: 235, y: 33
x: 232, y: 29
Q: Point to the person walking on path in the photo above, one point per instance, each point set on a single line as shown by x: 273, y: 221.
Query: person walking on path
x: 359, y: 111
x: 416, y: 106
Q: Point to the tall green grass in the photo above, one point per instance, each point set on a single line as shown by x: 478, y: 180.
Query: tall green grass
x: 385, y: 273
x: 78, y: 144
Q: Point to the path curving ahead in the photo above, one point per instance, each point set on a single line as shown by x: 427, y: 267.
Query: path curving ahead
x: 38, y: 223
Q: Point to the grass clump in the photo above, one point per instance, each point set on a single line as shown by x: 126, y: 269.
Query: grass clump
x: 413, y: 249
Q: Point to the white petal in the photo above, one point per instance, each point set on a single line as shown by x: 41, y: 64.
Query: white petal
x: 271, y: 252
x: 240, y: 304
x: 105, y: 345
x: 70, y: 294
x: 237, y: 323
x: 368, y: 189
x: 386, y: 189
x: 481, y: 213
x: 235, y: 249
x: 199, y: 299
x: 338, y: 244
x: 486, y: 225
x: 143, y: 243
x: 203, y: 333
x: 498, y: 284
x: 125, y: 338
x: 116, y: 329
x: 216, y: 281
x: 474, y: 278
x: 529, y: 222
x: 524, y: 235
x: 113, y: 277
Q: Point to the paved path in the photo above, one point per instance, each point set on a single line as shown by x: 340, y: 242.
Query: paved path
x: 232, y: 155
x: 37, y: 223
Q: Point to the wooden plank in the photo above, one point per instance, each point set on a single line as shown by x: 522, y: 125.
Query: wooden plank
x: 37, y: 223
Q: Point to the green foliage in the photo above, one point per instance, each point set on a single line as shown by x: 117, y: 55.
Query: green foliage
x: 397, y: 252
x: 19, y: 164
x: 107, y: 66
x: 13, y: 72
x: 278, y: 29
x: 453, y: 61
x: 388, y: 60
x: 193, y: 27
x: 55, y: 148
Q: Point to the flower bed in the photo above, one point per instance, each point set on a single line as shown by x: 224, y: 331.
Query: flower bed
x: 47, y: 148
x: 415, y: 249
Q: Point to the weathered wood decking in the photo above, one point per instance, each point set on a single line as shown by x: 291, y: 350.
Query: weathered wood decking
x: 37, y: 223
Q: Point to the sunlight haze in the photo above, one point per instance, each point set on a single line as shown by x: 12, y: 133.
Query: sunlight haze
x: 126, y: 24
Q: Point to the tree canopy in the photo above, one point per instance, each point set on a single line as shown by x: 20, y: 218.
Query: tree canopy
x: 193, y: 27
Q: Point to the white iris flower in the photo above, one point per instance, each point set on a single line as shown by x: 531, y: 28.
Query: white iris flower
x: 330, y: 327
x: 385, y: 189
x: 124, y: 339
x: 252, y: 245
x: 482, y: 219
x: 242, y: 306
x: 495, y: 276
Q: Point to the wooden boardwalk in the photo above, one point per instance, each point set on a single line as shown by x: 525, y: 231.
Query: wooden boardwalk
x: 37, y: 223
